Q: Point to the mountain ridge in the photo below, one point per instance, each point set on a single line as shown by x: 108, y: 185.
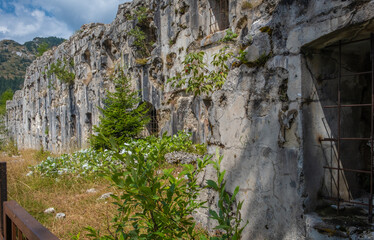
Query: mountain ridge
x: 16, y: 57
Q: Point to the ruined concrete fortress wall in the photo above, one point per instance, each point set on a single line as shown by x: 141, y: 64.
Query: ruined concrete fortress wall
x: 266, y: 119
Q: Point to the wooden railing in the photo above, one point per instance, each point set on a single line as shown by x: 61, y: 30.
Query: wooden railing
x: 15, y: 222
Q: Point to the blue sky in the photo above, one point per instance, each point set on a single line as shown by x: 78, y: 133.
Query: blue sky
x: 22, y: 20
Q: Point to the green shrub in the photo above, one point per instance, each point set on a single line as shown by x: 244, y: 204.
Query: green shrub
x: 230, y: 35
x: 154, y: 204
x: 84, y: 163
x: 242, y: 56
x: 92, y: 163
x: 141, y: 14
x: 122, y: 118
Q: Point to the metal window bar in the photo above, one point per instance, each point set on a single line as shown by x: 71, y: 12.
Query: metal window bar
x: 338, y: 139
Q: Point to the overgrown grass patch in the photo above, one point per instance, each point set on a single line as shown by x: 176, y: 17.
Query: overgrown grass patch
x: 67, y: 194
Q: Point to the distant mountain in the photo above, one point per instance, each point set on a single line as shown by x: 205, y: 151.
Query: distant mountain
x: 15, y: 58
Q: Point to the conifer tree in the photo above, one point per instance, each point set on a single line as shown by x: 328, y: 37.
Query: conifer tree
x: 122, y: 115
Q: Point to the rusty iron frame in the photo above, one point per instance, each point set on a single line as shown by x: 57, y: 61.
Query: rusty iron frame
x: 339, y: 139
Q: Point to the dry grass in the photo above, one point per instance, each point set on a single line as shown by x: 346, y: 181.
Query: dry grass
x: 67, y: 195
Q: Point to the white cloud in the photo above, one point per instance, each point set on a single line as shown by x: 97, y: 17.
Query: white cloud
x: 42, y: 18
x: 25, y: 24
x: 4, y: 29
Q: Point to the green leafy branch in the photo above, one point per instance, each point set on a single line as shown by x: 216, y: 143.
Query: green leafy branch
x: 228, y: 223
x: 198, y: 77
x: 154, y: 204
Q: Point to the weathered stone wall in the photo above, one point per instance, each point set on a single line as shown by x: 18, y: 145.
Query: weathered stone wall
x: 262, y: 120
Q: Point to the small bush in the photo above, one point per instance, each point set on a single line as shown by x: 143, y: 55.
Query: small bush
x: 228, y: 223
x: 91, y: 163
x: 5, y: 96
x: 230, y: 36
x: 84, y: 163
x: 242, y: 56
x: 140, y: 41
x: 141, y: 14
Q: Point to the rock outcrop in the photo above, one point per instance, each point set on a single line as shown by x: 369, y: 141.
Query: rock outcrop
x: 261, y: 119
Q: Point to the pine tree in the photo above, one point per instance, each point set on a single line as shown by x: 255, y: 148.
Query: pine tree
x: 122, y: 115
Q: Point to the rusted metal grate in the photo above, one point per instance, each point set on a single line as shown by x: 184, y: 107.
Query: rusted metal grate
x: 338, y: 139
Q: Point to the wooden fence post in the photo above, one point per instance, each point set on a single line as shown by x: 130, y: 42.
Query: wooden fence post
x: 3, y: 194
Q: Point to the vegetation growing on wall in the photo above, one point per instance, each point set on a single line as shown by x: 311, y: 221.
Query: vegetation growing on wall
x: 230, y: 36
x: 7, y: 145
x: 62, y: 71
x: 197, y: 76
x: 140, y: 41
x: 141, y: 33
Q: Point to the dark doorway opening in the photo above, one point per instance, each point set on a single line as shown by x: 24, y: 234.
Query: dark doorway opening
x: 344, y: 84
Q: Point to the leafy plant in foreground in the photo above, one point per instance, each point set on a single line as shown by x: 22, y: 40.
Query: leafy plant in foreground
x: 154, y: 204
x: 227, y: 223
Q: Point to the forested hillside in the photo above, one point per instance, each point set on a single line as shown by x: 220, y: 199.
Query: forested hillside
x: 15, y: 57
